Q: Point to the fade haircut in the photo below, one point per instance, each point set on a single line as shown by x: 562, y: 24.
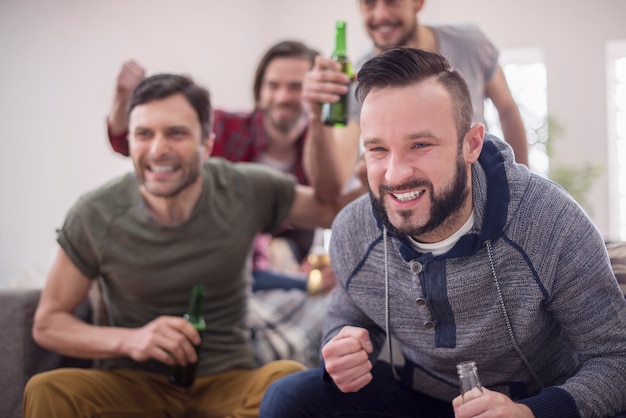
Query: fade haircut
x: 284, y: 49
x: 401, y: 67
x: 161, y: 86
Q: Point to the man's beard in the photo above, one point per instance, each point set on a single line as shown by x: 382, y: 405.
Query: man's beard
x: 442, y: 209
x: 283, y: 125
x: 191, y: 176
x: 404, y: 41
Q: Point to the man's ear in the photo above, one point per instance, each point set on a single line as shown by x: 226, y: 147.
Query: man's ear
x: 208, y: 146
x: 418, y: 5
x: 473, y: 142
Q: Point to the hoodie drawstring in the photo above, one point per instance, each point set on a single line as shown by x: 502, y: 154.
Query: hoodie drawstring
x: 387, y: 313
x: 506, y: 317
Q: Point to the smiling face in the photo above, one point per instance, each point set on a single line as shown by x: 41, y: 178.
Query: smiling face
x: 281, y: 91
x: 166, y: 146
x: 418, y: 173
x: 391, y: 22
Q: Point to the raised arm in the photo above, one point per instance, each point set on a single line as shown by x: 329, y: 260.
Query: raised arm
x: 129, y: 76
x: 330, y: 153
x: 510, y: 119
x: 166, y: 339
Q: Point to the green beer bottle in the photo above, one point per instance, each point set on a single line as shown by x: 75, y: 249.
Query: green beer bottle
x: 185, y: 375
x: 336, y: 114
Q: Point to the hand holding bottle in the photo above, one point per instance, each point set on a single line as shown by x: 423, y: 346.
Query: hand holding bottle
x: 476, y: 400
x: 491, y: 403
x: 184, y: 374
x: 168, y: 339
x: 336, y: 113
x: 324, y: 83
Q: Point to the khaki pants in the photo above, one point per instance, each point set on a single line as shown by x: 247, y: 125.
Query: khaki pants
x: 69, y: 393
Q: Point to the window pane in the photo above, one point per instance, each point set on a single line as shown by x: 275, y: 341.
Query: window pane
x: 526, y: 76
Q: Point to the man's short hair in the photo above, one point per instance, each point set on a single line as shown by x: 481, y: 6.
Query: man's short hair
x: 402, y: 66
x: 284, y: 49
x: 161, y: 86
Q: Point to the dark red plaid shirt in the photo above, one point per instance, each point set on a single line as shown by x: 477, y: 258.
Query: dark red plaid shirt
x: 239, y: 137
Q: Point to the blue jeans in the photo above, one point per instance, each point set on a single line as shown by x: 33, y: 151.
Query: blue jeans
x: 267, y: 279
x: 305, y: 394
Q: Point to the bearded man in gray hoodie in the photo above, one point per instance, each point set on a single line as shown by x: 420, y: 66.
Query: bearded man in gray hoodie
x: 458, y: 253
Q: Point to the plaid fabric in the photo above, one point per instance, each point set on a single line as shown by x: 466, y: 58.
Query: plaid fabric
x: 286, y: 324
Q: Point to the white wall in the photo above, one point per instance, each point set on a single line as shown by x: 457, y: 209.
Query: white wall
x: 59, y: 61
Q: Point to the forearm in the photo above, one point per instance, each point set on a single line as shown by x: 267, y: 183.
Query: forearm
x: 118, y: 117
x: 515, y: 133
x: 63, y: 333
x: 117, y: 124
x: 322, y: 162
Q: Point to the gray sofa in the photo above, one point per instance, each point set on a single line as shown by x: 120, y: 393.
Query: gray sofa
x: 21, y: 357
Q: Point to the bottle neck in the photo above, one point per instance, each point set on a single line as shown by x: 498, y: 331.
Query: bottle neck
x: 340, y: 40
x: 194, y: 311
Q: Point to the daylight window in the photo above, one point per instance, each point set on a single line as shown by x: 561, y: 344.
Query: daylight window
x: 525, y: 72
x: 616, y: 116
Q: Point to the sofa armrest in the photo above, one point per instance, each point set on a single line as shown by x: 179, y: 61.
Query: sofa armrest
x: 20, y: 356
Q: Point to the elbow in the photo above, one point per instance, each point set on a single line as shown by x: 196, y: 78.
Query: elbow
x: 40, y: 330
x: 326, y: 193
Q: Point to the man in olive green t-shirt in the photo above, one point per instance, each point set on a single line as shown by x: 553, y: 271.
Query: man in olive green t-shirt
x: 149, y: 236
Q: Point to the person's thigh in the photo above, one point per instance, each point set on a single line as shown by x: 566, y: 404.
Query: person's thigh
x: 237, y: 393
x: 98, y: 393
x: 306, y: 395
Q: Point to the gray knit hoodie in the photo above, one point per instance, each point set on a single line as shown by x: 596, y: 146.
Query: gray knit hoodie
x: 528, y: 294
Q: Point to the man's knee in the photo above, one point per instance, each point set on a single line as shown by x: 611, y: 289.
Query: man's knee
x: 41, y: 384
x: 298, y: 391
x: 45, y: 390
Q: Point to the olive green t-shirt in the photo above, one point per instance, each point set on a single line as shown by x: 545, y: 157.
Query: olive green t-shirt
x: 148, y: 270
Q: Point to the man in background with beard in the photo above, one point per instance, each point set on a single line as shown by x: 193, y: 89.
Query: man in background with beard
x: 396, y: 23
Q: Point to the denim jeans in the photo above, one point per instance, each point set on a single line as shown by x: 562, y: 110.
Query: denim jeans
x: 306, y: 394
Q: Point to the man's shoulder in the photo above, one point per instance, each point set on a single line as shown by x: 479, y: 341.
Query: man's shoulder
x: 355, y: 232
x: 219, y: 164
x: 226, y: 173
x: 99, y: 208
x: 462, y: 33
x: 356, y: 214
x: 119, y: 191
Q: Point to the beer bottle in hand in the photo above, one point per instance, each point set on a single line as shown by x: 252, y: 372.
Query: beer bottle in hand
x: 470, y: 383
x: 336, y: 114
x: 185, y: 375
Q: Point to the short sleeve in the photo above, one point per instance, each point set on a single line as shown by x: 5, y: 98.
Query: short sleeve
x: 78, y: 241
